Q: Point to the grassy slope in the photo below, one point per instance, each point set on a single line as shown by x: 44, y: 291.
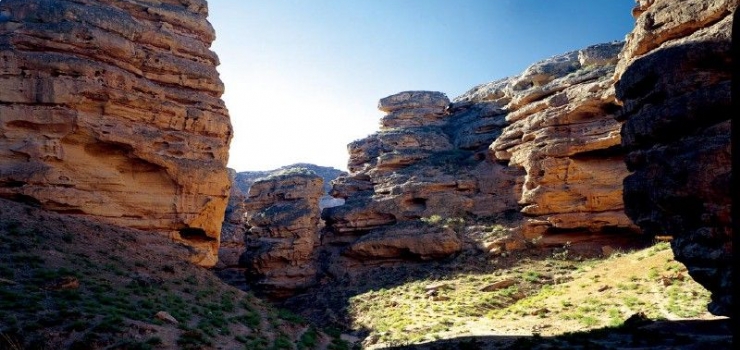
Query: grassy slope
x: 548, y: 299
x: 70, y: 283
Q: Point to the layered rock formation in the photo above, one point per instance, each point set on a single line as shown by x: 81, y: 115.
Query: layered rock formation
x: 554, y: 156
x: 561, y: 131
x: 235, y: 227
x: 426, y: 161
x: 112, y: 109
x: 674, y: 80
x: 282, y: 212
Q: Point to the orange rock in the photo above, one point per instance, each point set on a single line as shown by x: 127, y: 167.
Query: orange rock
x: 121, y: 120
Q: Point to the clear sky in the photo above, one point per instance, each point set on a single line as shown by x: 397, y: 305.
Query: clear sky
x: 303, y: 77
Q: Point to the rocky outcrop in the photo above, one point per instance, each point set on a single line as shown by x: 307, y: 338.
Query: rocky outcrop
x: 235, y: 227
x: 543, y: 144
x: 561, y: 132
x: 112, y: 109
x: 282, y: 212
x: 428, y: 160
x: 674, y: 81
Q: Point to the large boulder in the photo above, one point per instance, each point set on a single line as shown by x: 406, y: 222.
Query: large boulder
x: 674, y: 81
x: 112, y: 109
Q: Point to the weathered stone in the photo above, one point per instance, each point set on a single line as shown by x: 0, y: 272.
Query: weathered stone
x: 431, y: 100
x: 428, y: 160
x: 566, y: 139
x: 674, y: 83
x: 112, y: 110
x: 406, y: 241
x: 166, y: 317
x: 282, y: 212
x: 669, y: 22
x: 409, y: 118
x: 498, y: 285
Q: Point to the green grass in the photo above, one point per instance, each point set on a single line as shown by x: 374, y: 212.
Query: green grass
x: 406, y: 314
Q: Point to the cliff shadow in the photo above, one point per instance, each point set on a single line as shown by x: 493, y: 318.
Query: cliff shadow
x: 636, y: 333
x: 329, y: 304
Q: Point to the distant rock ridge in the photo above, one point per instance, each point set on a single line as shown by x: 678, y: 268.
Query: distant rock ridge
x: 674, y: 82
x: 112, y: 109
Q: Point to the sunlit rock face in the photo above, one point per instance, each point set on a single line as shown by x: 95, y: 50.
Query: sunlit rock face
x: 112, y: 109
x: 560, y: 130
x: 674, y: 81
x: 428, y: 160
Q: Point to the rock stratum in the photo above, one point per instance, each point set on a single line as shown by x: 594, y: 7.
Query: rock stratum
x: 112, y: 109
x: 561, y: 131
x: 599, y: 147
x: 674, y: 81
x: 282, y: 212
x: 239, y: 237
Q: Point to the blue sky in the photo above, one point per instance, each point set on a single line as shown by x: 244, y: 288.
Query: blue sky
x: 303, y: 77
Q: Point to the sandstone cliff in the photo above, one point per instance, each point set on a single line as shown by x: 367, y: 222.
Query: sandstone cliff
x: 561, y: 131
x: 554, y: 157
x: 112, y: 109
x: 424, y: 170
x: 674, y: 79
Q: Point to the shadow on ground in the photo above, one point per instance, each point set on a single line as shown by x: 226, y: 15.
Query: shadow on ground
x: 327, y: 305
x: 636, y: 333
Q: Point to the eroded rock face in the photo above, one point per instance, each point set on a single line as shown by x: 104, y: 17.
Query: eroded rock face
x: 235, y: 228
x: 561, y: 131
x: 282, y: 212
x: 674, y: 81
x: 428, y: 160
x: 112, y: 109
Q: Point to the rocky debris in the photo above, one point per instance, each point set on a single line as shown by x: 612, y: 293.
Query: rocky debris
x: 674, y: 80
x: 64, y: 283
x: 166, y: 317
x: 282, y: 212
x: 112, y: 110
x: 498, y: 285
x: 560, y: 129
x: 428, y: 160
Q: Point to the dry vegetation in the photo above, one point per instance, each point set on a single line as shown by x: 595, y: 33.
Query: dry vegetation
x: 68, y: 283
